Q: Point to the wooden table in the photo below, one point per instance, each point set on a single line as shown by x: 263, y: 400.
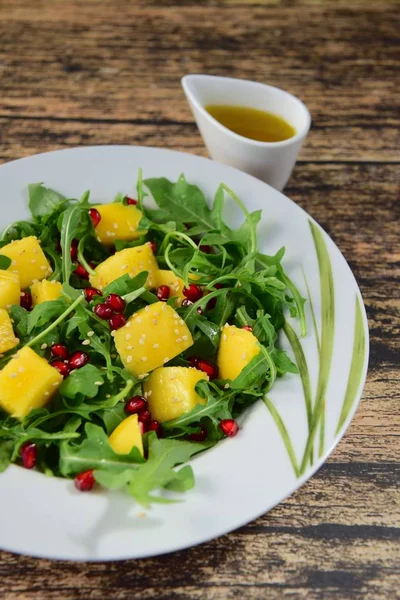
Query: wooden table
x: 108, y: 72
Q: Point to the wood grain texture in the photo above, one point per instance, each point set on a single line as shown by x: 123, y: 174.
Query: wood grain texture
x: 108, y: 72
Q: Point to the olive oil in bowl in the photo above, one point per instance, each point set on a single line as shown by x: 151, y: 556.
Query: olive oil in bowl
x: 252, y: 123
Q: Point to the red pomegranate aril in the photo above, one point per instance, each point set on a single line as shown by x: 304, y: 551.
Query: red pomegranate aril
x: 117, y: 321
x: 62, y: 367
x: 186, y: 303
x: 200, y: 436
x: 193, y: 292
x: 74, y: 250
x: 28, y: 455
x: 206, y: 249
x: 153, y: 246
x: 144, y: 416
x: 78, y: 360
x: 136, y: 405
x: 60, y: 351
x: 155, y: 426
x: 80, y: 271
x: 142, y: 429
x: 211, y: 303
x: 163, y: 293
x: 199, y: 310
x: 116, y: 303
x: 207, y: 367
x: 95, y: 216
x: 193, y: 361
x: 229, y: 427
x: 85, y: 481
x: 247, y: 328
x: 130, y: 201
x: 91, y: 292
x: 26, y: 300
x: 102, y: 311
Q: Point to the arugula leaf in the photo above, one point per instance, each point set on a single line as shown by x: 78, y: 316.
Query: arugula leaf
x: 42, y: 200
x: 84, y: 381
x: 6, y: 451
x: 5, y: 262
x: 95, y: 452
x: 45, y: 312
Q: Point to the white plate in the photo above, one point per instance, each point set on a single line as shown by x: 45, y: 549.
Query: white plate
x: 242, y: 477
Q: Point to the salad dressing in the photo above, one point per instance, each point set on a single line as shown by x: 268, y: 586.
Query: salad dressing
x: 252, y: 123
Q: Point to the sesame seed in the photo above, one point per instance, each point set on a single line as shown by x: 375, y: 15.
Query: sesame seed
x: 144, y: 358
x: 166, y: 359
x: 145, y: 394
x: 128, y: 324
x: 156, y: 345
x: 141, y: 342
x: 13, y: 375
x: 129, y: 359
x: 184, y: 337
x: 55, y: 384
x: 181, y: 321
x: 113, y: 333
x: 141, y: 266
x: 155, y: 321
x: 128, y: 337
x: 156, y: 314
x: 244, y: 356
x: 43, y: 346
x: 33, y: 261
x: 178, y: 340
x: 224, y: 337
x: 47, y: 394
x: 143, y: 375
x: 21, y: 370
x: 227, y: 386
x: 108, y: 395
x: 98, y: 382
x: 110, y: 234
x: 22, y: 294
x: 14, y: 263
x: 129, y: 347
x: 139, y: 319
x: 123, y: 267
x: 147, y: 308
x: 90, y: 333
x: 85, y: 342
x: 115, y: 225
x: 44, y: 267
x: 149, y: 393
x: 176, y: 331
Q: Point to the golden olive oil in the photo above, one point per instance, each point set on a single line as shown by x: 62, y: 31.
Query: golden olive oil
x: 252, y: 123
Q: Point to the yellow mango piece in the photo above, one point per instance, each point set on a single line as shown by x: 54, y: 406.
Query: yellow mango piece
x: 27, y: 382
x: 175, y: 283
x: 170, y: 392
x: 10, y: 289
x: 45, y: 291
x: 152, y: 336
x: 131, y: 261
x: 236, y: 349
x: 118, y: 222
x: 126, y: 436
x: 7, y: 335
x: 28, y: 260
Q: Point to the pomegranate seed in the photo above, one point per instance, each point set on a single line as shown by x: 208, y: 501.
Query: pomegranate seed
x: 28, y: 455
x: 247, y: 328
x: 206, y: 249
x: 95, y: 216
x: 207, y: 367
x: 163, y: 293
x: 144, y: 416
x: 130, y: 201
x: 193, y: 360
x: 211, y: 304
x: 62, y: 367
x: 199, y: 310
x: 193, y: 292
x: 136, y: 405
x: 200, y: 436
x: 142, y: 429
x: 80, y: 271
x: 229, y: 427
x: 116, y: 303
x: 78, y: 360
x: 60, y: 351
x: 85, y: 481
x: 155, y: 426
x: 91, y: 292
x: 102, y: 311
x: 116, y: 322
x: 74, y: 250
x: 26, y: 300
x: 153, y: 246
x: 186, y: 303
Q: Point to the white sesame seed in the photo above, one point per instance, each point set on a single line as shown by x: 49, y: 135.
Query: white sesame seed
x: 110, y: 234
x: 181, y: 321
x: 143, y: 375
x: 144, y: 358
x: 129, y: 359
x: 33, y: 261
x: 44, y: 267
x: 123, y: 267
x: 115, y: 225
x: 90, y: 333
x: 108, y: 395
x: 184, y: 337
x: 156, y: 313
x: 139, y: 319
x: 177, y: 332
x: 224, y: 337
x: 147, y: 308
x: 244, y: 356
x: 141, y: 342
x: 128, y: 337
x: 43, y: 346
x: 129, y: 347
x: 47, y: 394
x: 55, y: 384
x: 156, y: 345
x: 113, y: 333
x: 155, y: 321
x: 14, y: 263
x: 149, y: 393
x: 141, y: 266
x: 85, y: 342
x: 13, y: 375
x: 128, y: 324
x: 227, y: 386
x: 98, y: 382
x: 178, y: 340
x: 21, y: 370
x: 166, y: 359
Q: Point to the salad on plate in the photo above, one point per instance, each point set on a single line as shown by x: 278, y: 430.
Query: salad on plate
x: 134, y: 334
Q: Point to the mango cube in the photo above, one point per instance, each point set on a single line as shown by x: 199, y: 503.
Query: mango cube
x: 27, y: 382
x: 151, y: 337
x: 118, y: 222
x: 28, y: 260
x: 7, y: 336
x: 236, y: 349
x: 126, y: 436
x: 175, y: 283
x: 10, y: 289
x: 170, y: 392
x: 131, y: 261
x: 45, y: 291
